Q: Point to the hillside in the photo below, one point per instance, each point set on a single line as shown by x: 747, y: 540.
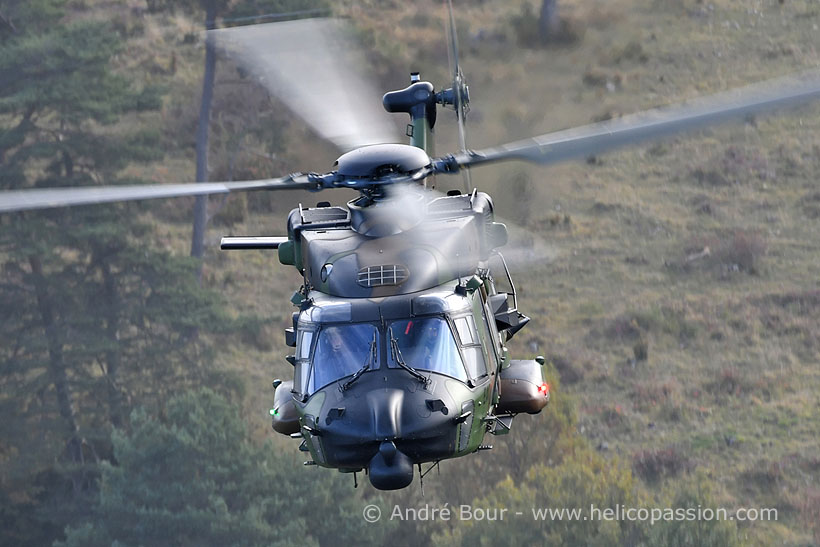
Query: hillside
x: 730, y: 381
x: 673, y: 286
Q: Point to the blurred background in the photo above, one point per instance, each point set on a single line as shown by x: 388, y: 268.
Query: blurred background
x: 673, y: 287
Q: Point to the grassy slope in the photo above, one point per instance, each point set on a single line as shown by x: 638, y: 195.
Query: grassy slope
x: 731, y: 380
x: 730, y: 384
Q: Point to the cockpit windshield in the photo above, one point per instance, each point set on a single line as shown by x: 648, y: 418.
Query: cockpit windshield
x: 426, y: 343
x: 342, y: 350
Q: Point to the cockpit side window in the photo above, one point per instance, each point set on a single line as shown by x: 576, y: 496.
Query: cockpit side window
x: 470, y: 347
x: 488, y: 343
x: 304, y: 339
x: 466, y: 330
x: 342, y: 350
x: 427, y: 343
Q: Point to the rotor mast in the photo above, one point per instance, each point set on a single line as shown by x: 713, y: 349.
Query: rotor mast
x: 419, y: 100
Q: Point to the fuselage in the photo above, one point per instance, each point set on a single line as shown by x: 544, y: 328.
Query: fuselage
x: 398, y: 356
x: 385, y: 383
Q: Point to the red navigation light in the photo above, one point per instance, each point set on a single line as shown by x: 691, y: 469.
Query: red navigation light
x: 544, y: 389
x: 409, y: 326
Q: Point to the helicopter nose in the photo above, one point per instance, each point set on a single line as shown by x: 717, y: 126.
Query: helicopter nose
x: 385, y: 413
x: 390, y: 468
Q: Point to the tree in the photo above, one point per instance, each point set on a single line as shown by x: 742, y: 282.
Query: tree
x: 56, y: 82
x: 193, y: 477
x: 212, y: 9
x: 583, y: 479
x: 549, y: 437
x: 548, y: 21
x: 90, y: 310
x: 694, y: 494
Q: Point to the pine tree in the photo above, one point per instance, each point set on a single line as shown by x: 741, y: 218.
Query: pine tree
x: 194, y: 478
x: 548, y: 21
x: 211, y: 10
x: 91, y: 313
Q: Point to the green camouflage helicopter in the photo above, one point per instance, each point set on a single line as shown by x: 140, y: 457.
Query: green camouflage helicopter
x: 399, y: 342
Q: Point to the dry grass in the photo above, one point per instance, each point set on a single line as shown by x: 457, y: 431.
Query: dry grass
x: 732, y: 337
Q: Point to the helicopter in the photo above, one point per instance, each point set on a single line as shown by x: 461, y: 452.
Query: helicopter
x: 399, y: 342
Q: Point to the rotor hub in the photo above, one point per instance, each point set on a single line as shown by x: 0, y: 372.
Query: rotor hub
x: 378, y: 160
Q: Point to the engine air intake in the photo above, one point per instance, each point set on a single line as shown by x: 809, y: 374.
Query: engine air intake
x: 379, y: 276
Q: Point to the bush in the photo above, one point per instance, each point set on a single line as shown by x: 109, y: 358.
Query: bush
x: 730, y: 381
x: 810, y: 512
x: 195, y: 478
x: 742, y: 250
x: 734, y: 166
x: 696, y: 495
x: 585, y: 478
x: 568, y: 30
x: 652, y: 465
x: 646, y: 395
x: 569, y: 372
x: 632, y: 326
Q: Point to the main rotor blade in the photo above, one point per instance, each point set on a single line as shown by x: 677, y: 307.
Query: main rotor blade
x: 47, y: 198
x: 458, y: 88
x: 314, y: 67
x: 601, y: 137
x: 458, y: 77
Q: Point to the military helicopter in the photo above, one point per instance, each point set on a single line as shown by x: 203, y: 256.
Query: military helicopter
x: 399, y: 338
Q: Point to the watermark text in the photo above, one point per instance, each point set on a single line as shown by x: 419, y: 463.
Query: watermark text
x: 652, y: 515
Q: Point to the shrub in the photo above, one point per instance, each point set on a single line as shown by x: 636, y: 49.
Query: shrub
x: 694, y: 494
x: 734, y: 166
x: 651, y: 394
x: 810, y: 512
x: 738, y: 250
x: 569, y: 372
x: 730, y: 381
x: 525, y: 25
x: 652, y: 465
x: 742, y: 249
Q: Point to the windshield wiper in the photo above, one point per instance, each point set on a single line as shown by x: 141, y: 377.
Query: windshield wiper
x: 371, y: 355
x: 396, y: 353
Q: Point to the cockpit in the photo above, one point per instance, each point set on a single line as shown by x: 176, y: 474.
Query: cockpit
x: 425, y: 343
x: 439, y: 344
x: 341, y: 351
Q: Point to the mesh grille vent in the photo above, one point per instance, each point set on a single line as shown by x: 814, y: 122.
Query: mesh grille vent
x: 379, y: 276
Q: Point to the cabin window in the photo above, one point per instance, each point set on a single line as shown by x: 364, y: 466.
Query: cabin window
x: 342, y: 350
x: 488, y: 343
x: 470, y: 347
x: 474, y: 359
x: 426, y: 343
x: 300, y: 377
x: 305, y: 337
x: 466, y: 330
